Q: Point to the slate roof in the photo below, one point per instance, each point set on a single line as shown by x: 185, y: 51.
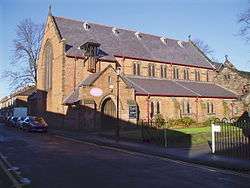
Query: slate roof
x: 125, y: 43
x: 73, y: 97
x: 217, y: 65
x: 90, y: 79
x: 244, y: 74
x: 161, y: 87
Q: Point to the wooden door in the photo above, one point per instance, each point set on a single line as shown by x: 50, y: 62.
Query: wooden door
x: 108, y: 114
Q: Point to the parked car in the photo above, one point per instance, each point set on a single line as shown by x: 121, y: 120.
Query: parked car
x: 13, y: 121
x: 34, y: 124
x: 20, y: 121
x: 2, y: 119
x: 7, y: 121
x: 8, y: 118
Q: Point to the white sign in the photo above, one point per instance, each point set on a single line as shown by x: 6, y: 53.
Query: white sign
x: 216, y: 128
x: 96, y: 92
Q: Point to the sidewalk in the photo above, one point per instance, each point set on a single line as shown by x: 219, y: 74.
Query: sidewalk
x: 198, y: 155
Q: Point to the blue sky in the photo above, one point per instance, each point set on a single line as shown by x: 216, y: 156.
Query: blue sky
x: 213, y: 21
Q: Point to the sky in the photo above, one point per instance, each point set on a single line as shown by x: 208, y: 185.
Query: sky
x: 213, y: 21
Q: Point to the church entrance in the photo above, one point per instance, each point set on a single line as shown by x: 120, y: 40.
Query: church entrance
x: 108, y: 114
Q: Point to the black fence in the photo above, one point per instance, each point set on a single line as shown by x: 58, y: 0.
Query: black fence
x: 150, y: 132
x: 233, y: 139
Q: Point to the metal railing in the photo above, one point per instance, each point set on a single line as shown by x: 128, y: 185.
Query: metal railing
x: 232, y: 138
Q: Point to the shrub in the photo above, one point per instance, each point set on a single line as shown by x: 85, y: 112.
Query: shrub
x: 184, y: 122
x: 209, y: 121
x: 187, y: 121
x: 159, y: 121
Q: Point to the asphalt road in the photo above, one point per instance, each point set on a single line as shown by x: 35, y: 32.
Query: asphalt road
x: 53, y: 162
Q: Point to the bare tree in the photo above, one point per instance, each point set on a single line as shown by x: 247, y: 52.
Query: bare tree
x: 23, y: 68
x: 205, y: 48
x: 244, y: 21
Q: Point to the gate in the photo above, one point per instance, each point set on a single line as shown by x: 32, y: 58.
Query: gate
x: 233, y: 138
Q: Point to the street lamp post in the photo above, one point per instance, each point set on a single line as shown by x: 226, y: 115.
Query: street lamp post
x: 118, y: 72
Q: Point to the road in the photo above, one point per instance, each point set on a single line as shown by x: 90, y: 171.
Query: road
x: 54, y: 162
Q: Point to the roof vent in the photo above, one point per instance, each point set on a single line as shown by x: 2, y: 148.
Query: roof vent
x: 138, y: 34
x: 86, y: 26
x: 115, y: 30
x: 180, y: 43
x: 164, y: 40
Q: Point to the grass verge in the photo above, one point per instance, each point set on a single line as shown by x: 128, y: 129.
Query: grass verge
x: 199, y: 135
x: 176, y: 137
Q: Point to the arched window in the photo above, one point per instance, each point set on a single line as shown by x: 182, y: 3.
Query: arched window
x: 151, y: 70
x: 197, y: 75
x: 186, y: 74
x: 175, y: 73
x: 152, y: 110
x: 163, y: 71
x: 186, y: 107
x: 158, y: 107
x: 210, y: 108
x: 136, y: 69
x: 48, y: 57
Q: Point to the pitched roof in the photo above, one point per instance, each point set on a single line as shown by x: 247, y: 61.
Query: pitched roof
x: 73, y: 97
x: 90, y: 79
x: 220, y: 66
x: 93, y: 77
x: 25, y: 91
x: 126, y: 44
x: 161, y: 87
x: 244, y: 74
x: 217, y: 65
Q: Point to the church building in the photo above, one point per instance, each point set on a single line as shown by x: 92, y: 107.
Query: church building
x: 88, y: 70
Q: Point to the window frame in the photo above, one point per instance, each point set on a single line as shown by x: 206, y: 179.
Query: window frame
x: 158, y: 107
x: 152, y: 110
x: 109, y: 80
x: 48, y: 63
x: 176, y: 73
x: 151, y: 70
x: 197, y: 75
x: 208, y: 78
x: 136, y: 69
x: 163, y: 71
x: 186, y: 74
x: 210, y: 108
x: 186, y: 107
